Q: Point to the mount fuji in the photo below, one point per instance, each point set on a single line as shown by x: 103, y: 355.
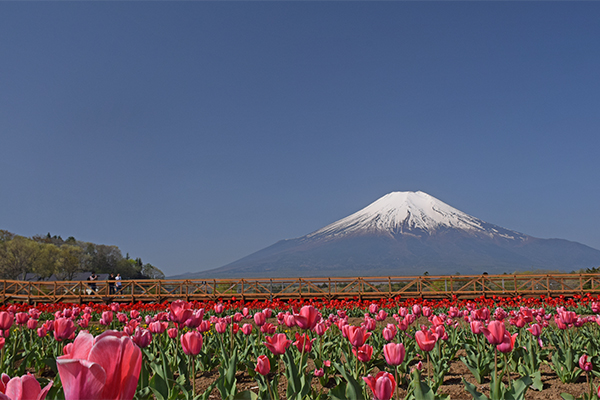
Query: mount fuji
x: 408, y: 233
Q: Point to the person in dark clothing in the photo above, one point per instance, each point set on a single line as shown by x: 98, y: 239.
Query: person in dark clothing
x: 111, y: 284
x: 93, y: 278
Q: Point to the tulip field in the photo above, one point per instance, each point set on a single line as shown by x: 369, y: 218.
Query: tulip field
x: 487, y: 348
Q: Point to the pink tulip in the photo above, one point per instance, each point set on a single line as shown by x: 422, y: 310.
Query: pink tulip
x: 32, y: 324
x: 289, y: 320
x: 221, y: 327
x: 584, y: 363
x: 6, y: 321
x: 158, y: 327
x: 260, y: 319
x: 135, y: 313
x: 389, y: 332
x: 535, y: 330
x: 319, y: 372
x: 382, y: 385
x: 218, y: 308
x: 263, y: 365
x: 247, y: 329
x: 476, y: 326
x: 381, y: 315
x: 191, y: 343
x: 357, y: 335
x: 268, y: 328
x: 23, y: 388
x: 180, y: 311
x: 363, y: 353
x: 278, y: 344
x: 426, y: 340
x: 394, y: 353
x: 494, y: 332
x: 64, y: 328
x: 508, y: 343
x: 373, y: 308
x: 320, y: 329
x: 173, y: 332
x: 142, y: 337
x: 307, y: 318
x: 21, y: 318
x: 106, y: 367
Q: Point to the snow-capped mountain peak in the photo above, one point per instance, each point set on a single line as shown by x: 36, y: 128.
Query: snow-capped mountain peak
x: 407, y: 213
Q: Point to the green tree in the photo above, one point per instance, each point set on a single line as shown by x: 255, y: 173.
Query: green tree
x: 18, y: 257
x: 72, y: 260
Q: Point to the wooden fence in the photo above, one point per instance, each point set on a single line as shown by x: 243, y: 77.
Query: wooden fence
x: 462, y: 286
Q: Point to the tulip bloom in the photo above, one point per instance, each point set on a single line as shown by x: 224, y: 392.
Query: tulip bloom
x: 278, y: 343
x: 260, y: 319
x: 307, y: 318
x: 263, y: 365
x: 426, y: 340
x: 584, y: 364
x: 382, y: 385
x: 363, y: 353
x: 142, y: 337
x: 64, y: 328
x: 21, y: 318
x: 508, y: 343
x: 357, y: 335
x: 180, y: 311
x: 394, y: 353
x: 173, y: 332
x: 106, y: 367
x: 494, y: 332
x: 247, y: 329
x: 303, y: 342
x: 6, y: 321
x: 191, y: 343
x: 23, y: 388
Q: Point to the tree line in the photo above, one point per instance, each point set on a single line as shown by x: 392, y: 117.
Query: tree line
x: 47, y: 256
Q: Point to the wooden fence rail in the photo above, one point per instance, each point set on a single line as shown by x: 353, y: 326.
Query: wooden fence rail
x: 462, y: 286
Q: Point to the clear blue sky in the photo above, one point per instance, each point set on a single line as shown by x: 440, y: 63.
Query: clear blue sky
x: 191, y: 134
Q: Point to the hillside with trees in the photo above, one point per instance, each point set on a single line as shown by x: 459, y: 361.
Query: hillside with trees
x: 49, y: 256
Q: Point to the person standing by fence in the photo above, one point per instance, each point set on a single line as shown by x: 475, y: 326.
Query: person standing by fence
x: 118, y: 282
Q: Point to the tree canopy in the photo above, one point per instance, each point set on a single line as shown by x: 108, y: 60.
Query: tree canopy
x: 46, y: 256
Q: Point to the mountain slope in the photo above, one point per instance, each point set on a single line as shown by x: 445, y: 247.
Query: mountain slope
x: 408, y: 233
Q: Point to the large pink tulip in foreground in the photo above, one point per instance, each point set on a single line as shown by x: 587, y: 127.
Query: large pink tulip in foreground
x: 103, y: 368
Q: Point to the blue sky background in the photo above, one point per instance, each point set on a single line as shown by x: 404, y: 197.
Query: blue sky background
x: 191, y: 134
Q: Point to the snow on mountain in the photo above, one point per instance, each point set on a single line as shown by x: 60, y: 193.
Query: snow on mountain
x: 409, y: 213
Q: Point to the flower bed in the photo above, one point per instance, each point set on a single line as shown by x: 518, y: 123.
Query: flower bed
x: 508, y: 348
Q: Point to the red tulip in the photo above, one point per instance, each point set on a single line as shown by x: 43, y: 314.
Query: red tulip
x: 394, y: 353
x: 278, y: 344
x: 494, y: 332
x: 382, y: 385
x: 191, y: 343
x: 268, y: 328
x: 106, y: 367
x: 357, y: 335
x: 23, y: 388
x: 263, y: 365
x: 307, y: 318
x: 303, y: 341
x: 64, y: 328
x: 426, y: 339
